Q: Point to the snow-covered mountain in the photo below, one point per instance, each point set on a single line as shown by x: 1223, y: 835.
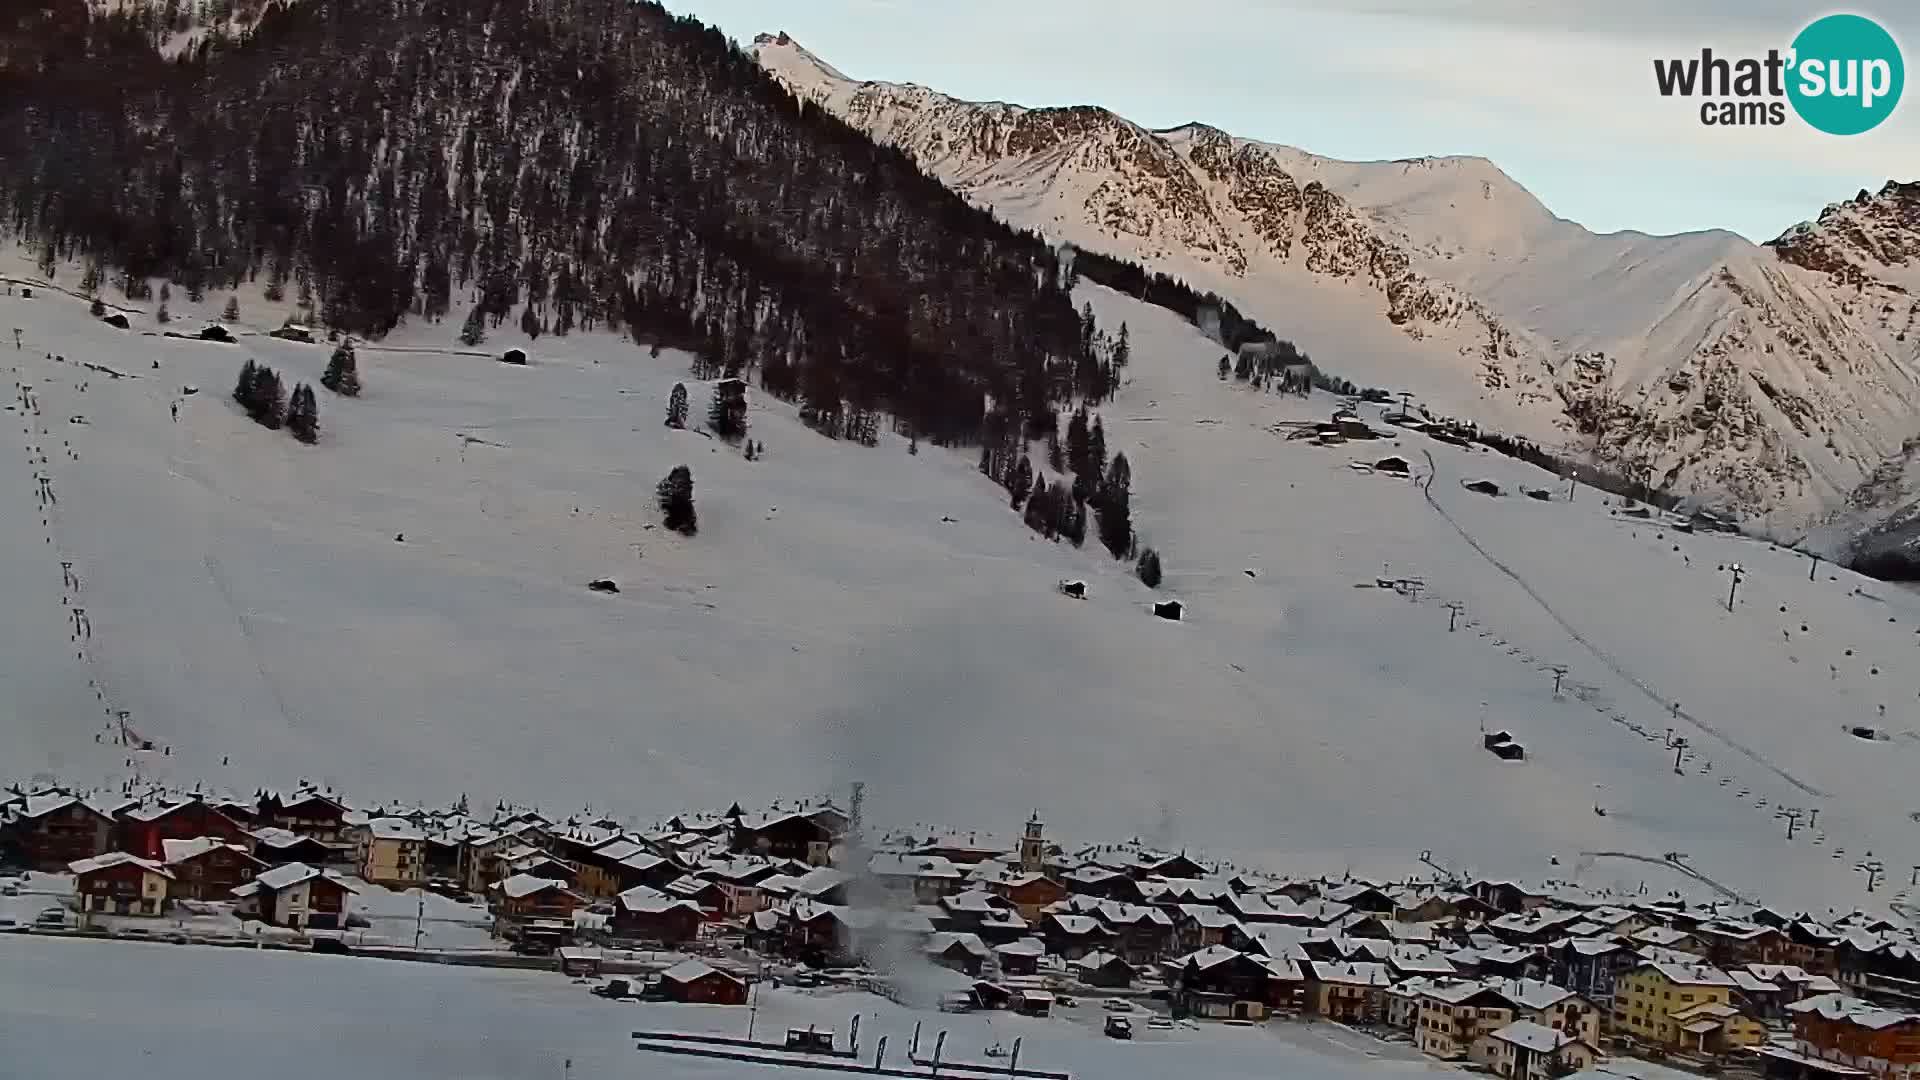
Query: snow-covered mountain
x: 1770, y: 380
x: 402, y: 611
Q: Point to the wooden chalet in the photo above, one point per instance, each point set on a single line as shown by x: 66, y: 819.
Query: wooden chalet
x: 306, y: 812
x: 144, y: 826
x: 297, y: 896
x: 1835, y: 1029
x: 646, y: 914
x: 1074, y: 936
x: 207, y: 868
x: 1731, y: 944
x: 522, y: 900
x: 1222, y: 984
x: 1029, y: 893
x: 1105, y: 971
x: 795, y: 835
x: 961, y: 952
x: 277, y: 847
x: 46, y: 831
x: 695, y: 982
x: 1021, y: 957
x: 118, y: 883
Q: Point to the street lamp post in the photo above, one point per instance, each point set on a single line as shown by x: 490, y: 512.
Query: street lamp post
x: 1737, y: 572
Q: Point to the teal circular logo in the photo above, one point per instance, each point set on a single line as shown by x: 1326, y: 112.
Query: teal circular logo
x: 1846, y: 74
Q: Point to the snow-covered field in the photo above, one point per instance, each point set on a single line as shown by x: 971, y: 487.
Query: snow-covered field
x: 93, y: 1008
x: 250, y: 601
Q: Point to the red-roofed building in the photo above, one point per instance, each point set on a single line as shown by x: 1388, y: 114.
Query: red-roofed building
x: 144, y: 827
x: 696, y: 982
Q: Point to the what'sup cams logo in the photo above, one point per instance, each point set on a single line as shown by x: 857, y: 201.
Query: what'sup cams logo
x: 1842, y: 75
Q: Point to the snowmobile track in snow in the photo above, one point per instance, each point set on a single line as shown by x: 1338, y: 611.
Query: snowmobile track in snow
x: 1669, y: 707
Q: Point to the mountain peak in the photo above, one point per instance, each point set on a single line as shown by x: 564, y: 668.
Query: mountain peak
x: 782, y: 53
x: 1872, y: 239
x: 1754, y: 381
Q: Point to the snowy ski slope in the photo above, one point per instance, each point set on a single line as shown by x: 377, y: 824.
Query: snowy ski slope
x: 249, y: 601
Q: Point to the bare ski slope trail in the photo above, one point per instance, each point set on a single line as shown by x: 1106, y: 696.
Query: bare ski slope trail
x: 1670, y: 864
x: 1671, y: 708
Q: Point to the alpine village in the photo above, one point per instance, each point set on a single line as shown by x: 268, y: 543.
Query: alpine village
x: 1519, y: 980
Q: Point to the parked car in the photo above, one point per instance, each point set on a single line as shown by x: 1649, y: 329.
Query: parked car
x: 329, y: 943
x: 9, y: 889
x: 1117, y: 1005
x: 51, y: 919
x: 1119, y: 1027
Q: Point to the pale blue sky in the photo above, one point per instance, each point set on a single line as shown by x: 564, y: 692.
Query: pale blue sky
x: 1559, y: 93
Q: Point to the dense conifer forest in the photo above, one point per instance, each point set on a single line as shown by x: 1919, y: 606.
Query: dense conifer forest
x: 563, y: 164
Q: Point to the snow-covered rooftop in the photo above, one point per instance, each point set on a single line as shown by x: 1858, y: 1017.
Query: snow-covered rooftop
x: 523, y: 885
x: 1531, y: 1036
x: 116, y: 858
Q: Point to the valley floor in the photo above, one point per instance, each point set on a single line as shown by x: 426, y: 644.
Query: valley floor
x: 319, y: 1017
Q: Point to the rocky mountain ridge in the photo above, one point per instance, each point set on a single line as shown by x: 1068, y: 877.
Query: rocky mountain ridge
x: 1768, y: 380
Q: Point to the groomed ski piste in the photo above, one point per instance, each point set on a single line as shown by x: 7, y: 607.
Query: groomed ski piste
x: 401, y: 611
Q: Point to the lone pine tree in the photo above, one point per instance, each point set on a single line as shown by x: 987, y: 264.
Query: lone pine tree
x: 676, y: 501
x: 727, y: 415
x: 303, y: 415
x: 474, y: 330
x: 1149, y: 568
x: 677, y: 406
x: 1020, y: 484
x: 343, y: 371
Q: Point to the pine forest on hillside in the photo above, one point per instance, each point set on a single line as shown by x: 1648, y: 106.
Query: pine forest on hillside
x: 559, y: 163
